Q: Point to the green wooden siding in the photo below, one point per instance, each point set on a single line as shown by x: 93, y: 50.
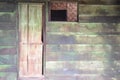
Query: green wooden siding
x: 88, y: 49
x: 8, y: 42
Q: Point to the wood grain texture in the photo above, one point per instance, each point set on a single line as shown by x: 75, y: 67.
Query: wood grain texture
x: 8, y: 76
x: 8, y: 42
x: 8, y: 37
x: 99, y: 10
x: 8, y: 50
x: 64, y: 38
x: 23, y: 23
x: 99, y: 2
x: 31, y: 40
x: 35, y: 23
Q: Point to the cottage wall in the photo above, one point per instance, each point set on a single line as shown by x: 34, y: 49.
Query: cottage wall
x: 85, y: 50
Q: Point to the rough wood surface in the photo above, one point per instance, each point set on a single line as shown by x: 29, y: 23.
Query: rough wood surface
x: 8, y: 42
x: 31, y: 40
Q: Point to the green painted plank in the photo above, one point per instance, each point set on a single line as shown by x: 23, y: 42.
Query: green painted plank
x: 8, y: 37
x: 77, y: 77
x: 83, y: 67
x: 99, y: 10
x: 105, y: 2
x: 8, y: 68
x: 82, y: 39
x: 83, y: 28
x: 7, y: 17
x: 77, y: 48
x: 82, y: 77
x: 74, y: 67
x: 61, y: 77
x: 99, y: 19
x: 7, y: 26
x: 8, y: 76
x: 8, y: 59
x: 75, y: 56
x: 4, y: 7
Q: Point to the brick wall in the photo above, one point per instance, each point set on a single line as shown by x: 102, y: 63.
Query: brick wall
x: 71, y: 8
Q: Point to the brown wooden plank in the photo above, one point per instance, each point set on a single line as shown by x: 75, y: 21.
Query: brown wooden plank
x: 8, y: 76
x: 31, y: 60
x: 23, y: 60
x: 35, y: 60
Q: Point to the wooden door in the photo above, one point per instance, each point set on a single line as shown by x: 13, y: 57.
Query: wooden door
x: 31, y: 46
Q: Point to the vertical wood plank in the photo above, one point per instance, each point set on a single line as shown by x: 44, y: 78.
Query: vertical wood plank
x: 23, y: 22
x: 23, y: 60
x: 35, y: 60
x: 35, y: 23
x: 31, y: 40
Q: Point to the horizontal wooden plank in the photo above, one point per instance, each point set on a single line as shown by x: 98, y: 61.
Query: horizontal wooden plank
x: 8, y: 76
x: 4, y: 7
x: 32, y: 78
x: 8, y: 68
x: 8, y: 37
x: 8, y: 50
x: 59, y: 77
x: 7, y: 26
x: 84, y: 53
x: 7, y: 17
x: 103, y: 2
x: 75, y: 56
x: 82, y: 39
x: 83, y: 28
x: 72, y: 67
x: 99, y: 10
x: 99, y: 19
x: 81, y: 68
x: 79, y: 77
x: 8, y: 59
x: 77, y: 48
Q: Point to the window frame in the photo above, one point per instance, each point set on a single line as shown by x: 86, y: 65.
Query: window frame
x: 49, y: 10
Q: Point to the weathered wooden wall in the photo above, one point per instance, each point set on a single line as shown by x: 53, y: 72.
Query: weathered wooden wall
x: 84, y: 50
x: 8, y: 42
x: 88, y: 49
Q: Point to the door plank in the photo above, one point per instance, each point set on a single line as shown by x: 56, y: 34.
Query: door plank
x: 35, y: 23
x: 23, y: 22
